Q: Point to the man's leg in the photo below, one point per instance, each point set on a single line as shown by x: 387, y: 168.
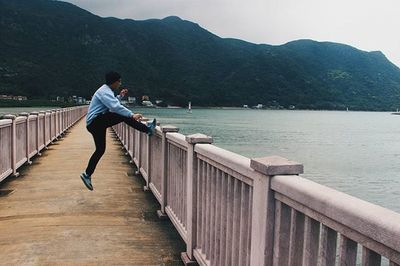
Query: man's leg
x: 99, y: 136
x: 112, y: 119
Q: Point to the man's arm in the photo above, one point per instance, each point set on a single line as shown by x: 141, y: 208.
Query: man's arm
x: 122, y: 94
x: 114, y: 105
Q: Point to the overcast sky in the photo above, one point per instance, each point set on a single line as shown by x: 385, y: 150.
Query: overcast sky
x: 368, y: 25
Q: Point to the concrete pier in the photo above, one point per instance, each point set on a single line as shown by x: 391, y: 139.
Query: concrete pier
x: 190, y: 201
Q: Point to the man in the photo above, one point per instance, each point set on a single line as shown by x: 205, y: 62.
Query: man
x: 105, y: 110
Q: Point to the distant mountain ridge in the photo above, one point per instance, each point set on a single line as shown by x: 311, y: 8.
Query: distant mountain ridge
x: 52, y: 48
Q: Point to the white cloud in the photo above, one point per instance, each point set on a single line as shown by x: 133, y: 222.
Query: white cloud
x: 366, y: 24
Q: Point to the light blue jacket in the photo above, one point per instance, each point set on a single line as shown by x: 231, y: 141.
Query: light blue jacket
x: 104, y: 101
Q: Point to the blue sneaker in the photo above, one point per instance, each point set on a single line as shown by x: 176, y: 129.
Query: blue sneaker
x: 152, y: 127
x: 87, y: 181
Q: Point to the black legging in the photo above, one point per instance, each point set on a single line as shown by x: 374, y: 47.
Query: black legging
x: 98, y: 129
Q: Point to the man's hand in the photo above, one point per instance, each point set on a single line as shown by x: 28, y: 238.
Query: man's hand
x: 137, y: 117
x: 123, y: 92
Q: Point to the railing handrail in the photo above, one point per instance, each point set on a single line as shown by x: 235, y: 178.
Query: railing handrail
x: 228, y: 159
x: 5, y: 122
x: 20, y: 118
x: 177, y: 138
x: 373, y: 221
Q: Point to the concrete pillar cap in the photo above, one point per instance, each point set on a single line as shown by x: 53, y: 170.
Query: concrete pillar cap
x: 276, y: 165
x: 169, y: 128
x: 9, y: 116
x: 199, y: 138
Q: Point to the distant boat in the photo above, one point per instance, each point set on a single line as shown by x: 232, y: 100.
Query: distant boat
x: 189, y: 107
x: 396, y: 113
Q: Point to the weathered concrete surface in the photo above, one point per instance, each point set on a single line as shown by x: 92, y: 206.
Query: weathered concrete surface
x: 52, y: 219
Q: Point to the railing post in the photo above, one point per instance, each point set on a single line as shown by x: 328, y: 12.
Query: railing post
x: 62, y: 120
x: 13, y: 144
x: 128, y: 139
x: 50, y: 126
x: 67, y: 119
x: 148, y: 155
x: 164, y: 171
x: 37, y: 132
x: 123, y: 136
x: 147, y: 167
x: 28, y: 137
x: 54, y: 128
x: 137, y: 153
x: 263, y: 214
x: 138, y: 139
x: 191, y: 183
x: 58, y: 121
x: 44, y: 129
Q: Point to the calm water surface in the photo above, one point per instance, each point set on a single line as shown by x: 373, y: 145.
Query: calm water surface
x: 354, y: 152
x: 17, y: 110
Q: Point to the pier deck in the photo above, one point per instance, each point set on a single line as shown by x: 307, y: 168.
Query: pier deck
x: 221, y: 208
x: 50, y: 218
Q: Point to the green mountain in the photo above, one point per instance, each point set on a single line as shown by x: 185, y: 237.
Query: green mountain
x: 52, y: 48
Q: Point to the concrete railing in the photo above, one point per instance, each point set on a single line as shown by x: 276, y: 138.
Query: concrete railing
x: 24, y: 136
x: 232, y: 210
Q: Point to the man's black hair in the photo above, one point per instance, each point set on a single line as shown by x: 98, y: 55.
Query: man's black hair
x: 112, y: 77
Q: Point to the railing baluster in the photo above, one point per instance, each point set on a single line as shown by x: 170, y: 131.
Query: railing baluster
x: 218, y: 201
x: 249, y: 222
x: 327, y: 254
x: 174, y: 179
x: 348, y: 251
x: 148, y: 157
x: 229, y: 218
x: 184, y: 178
x: 212, y: 213
x: 370, y: 258
x: 178, y: 183
x: 199, y: 213
x: 296, y: 238
x: 311, y: 241
x: 236, y: 221
x: 203, y: 206
x: 282, y: 234
x: 243, y: 231
x: 224, y: 219
x: 207, y: 213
